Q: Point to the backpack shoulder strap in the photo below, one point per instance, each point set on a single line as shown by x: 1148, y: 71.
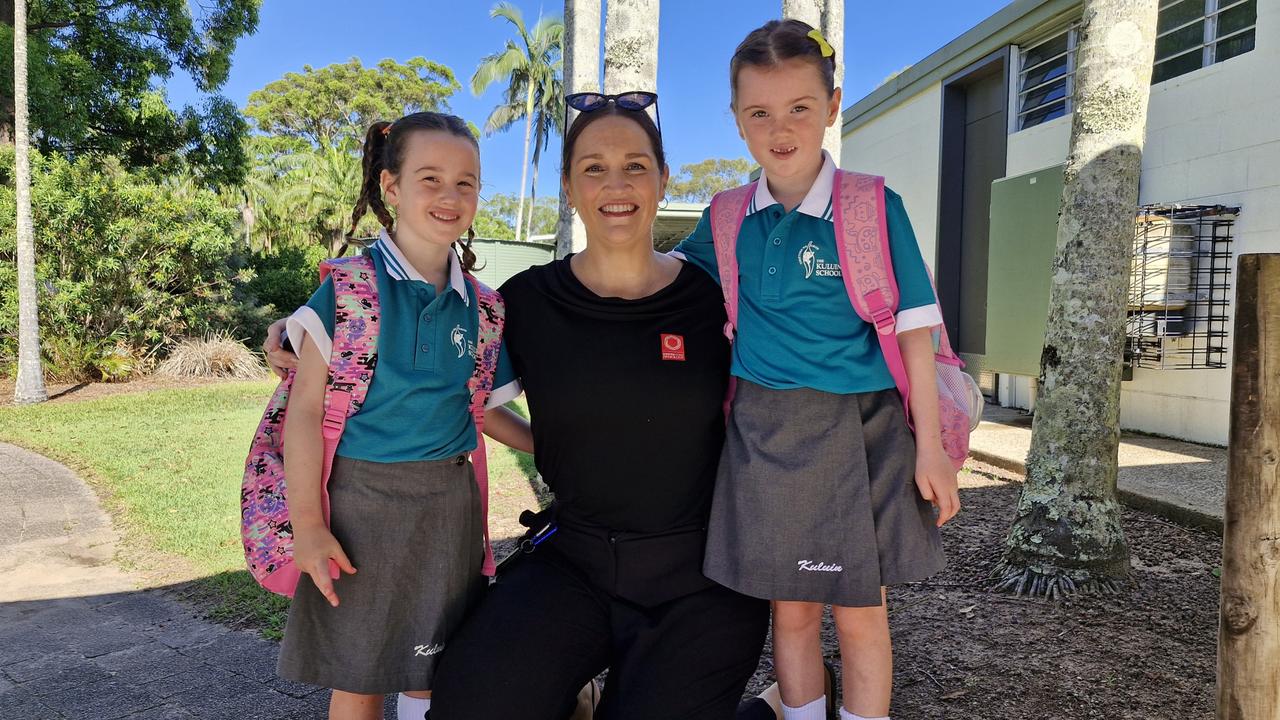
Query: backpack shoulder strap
x: 355, y: 347
x: 728, y: 209
x: 493, y: 316
x: 862, y: 236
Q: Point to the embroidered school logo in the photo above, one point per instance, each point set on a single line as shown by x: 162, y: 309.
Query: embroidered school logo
x: 459, y: 338
x: 672, y: 347
x: 428, y: 650
x: 808, y: 255
x: 817, y: 566
x: 814, y: 265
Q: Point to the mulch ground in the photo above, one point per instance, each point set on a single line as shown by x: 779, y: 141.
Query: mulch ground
x: 962, y: 652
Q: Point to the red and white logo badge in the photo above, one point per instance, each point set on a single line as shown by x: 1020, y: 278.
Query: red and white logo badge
x: 672, y: 347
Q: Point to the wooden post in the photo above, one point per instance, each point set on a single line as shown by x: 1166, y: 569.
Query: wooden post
x: 1249, y: 626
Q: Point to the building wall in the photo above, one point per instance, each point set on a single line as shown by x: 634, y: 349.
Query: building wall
x: 903, y: 146
x: 1213, y: 136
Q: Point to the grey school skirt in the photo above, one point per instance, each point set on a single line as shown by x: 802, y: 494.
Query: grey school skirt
x: 816, y: 499
x: 412, y: 531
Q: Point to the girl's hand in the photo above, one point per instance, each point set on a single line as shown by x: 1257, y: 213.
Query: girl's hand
x: 280, y: 360
x: 936, y: 479
x: 313, y: 548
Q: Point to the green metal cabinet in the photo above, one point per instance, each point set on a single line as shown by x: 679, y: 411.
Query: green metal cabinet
x: 1024, y: 230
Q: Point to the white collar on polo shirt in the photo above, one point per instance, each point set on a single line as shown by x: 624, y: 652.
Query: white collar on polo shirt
x: 816, y: 203
x: 400, y: 269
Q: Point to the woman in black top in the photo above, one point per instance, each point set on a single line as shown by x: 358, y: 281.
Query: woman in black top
x: 621, y: 353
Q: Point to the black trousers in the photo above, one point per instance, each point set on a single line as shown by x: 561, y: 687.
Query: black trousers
x: 546, y: 628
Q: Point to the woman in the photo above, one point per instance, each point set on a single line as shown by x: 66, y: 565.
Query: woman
x: 621, y: 352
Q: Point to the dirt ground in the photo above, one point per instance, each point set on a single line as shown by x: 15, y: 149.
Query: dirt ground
x: 961, y: 652
x: 75, y: 392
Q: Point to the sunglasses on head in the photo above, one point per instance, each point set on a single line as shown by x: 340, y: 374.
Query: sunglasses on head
x: 631, y: 100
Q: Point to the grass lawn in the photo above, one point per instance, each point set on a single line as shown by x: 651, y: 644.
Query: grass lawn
x: 168, y: 465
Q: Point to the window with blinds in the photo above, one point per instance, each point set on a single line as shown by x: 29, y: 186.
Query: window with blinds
x: 1192, y: 34
x: 1045, y: 79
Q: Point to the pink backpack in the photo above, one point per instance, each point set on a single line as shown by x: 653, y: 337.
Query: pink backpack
x: 265, y: 529
x: 866, y: 264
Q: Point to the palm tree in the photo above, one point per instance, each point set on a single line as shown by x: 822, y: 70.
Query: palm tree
x: 331, y: 181
x: 827, y: 16
x: 631, y: 45
x: 530, y: 69
x: 1067, y: 534
x: 30, y: 383
x: 548, y: 118
x: 581, y: 74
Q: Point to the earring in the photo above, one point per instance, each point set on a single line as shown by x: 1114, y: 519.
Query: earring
x: 663, y: 205
x: 572, y: 211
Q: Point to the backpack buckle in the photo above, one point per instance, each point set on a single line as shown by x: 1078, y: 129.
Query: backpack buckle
x: 884, y: 320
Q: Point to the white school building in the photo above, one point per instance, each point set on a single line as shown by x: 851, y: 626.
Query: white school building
x: 974, y: 137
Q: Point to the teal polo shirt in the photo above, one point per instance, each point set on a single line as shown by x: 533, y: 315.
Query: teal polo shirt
x: 418, y: 404
x: 796, y: 325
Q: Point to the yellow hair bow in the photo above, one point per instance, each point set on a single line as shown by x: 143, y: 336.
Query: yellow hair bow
x: 827, y: 50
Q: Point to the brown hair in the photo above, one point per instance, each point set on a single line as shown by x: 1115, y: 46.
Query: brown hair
x: 776, y: 42
x: 584, y: 120
x: 384, y: 148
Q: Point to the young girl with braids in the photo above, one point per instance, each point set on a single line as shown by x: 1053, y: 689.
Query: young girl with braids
x: 406, y: 522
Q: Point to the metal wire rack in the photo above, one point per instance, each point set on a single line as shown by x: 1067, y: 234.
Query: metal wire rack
x: 1179, y: 292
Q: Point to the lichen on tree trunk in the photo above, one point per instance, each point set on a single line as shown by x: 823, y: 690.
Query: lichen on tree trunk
x: 631, y: 45
x: 1067, y: 535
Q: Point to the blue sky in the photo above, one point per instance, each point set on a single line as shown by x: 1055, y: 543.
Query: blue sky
x: 696, y: 39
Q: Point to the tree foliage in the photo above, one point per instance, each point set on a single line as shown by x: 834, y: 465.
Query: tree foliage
x: 124, y: 265
x: 497, y: 217
x: 700, y: 181
x: 94, y: 65
x: 333, y: 105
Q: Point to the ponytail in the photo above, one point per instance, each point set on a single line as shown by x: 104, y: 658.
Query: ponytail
x: 467, y: 255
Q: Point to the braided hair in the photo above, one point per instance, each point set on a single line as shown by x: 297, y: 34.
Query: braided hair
x: 384, y: 148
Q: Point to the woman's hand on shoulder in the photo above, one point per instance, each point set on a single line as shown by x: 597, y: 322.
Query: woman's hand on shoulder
x: 280, y: 360
x: 313, y: 549
x: 936, y: 479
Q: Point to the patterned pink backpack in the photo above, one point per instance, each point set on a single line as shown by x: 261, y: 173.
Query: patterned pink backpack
x: 866, y: 264
x: 265, y: 529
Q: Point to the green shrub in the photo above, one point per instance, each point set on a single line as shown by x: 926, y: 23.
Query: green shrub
x: 124, y: 266
x: 286, y: 277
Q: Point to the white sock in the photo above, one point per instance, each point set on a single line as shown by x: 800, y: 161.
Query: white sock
x: 412, y: 708
x: 846, y: 715
x: 816, y: 710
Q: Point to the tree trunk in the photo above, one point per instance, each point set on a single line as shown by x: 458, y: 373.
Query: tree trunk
x: 1067, y: 533
x: 827, y: 16
x: 581, y: 74
x: 631, y: 46
x: 533, y: 194
x: 1249, y: 629
x: 30, y: 382
x: 524, y: 165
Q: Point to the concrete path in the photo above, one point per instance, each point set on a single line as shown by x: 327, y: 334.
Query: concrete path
x: 79, y: 639
x: 1182, y: 481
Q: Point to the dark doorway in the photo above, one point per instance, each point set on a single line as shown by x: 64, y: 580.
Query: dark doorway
x: 975, y: 104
